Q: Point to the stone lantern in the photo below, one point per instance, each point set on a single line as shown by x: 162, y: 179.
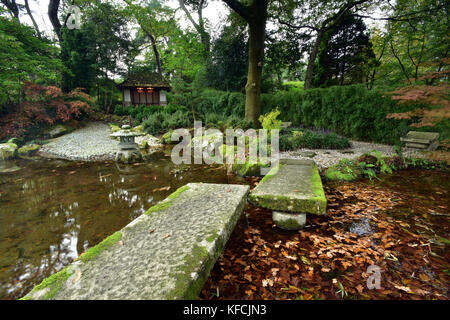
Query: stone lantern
x: 129, y: 150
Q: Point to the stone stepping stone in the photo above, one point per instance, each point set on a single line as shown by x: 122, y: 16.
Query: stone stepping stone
x: 166, y: 253
x: 291, y: 190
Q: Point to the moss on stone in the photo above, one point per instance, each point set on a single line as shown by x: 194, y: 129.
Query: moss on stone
x: 8, y: 151
x: 29, y: 149
x: 178, y: 192
x: 105, y: 244
x: 52, y: 284
x: 167, y: 203
x: 271, y: 173
x: 113, y: 128
x: 213, y: 236
x: 289, y: 224
x: 12, y: 145
x: 339, y: 173
x: 248, y: 169
x: 186, y: 286
x: 316, y: 185
x: 314, y: 205
x: 167, y: 138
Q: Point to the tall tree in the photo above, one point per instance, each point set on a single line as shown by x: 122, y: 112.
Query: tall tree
x: 347, y: 51
x: 255, y: 14
x: 155, y: 21
x: 414, y: 42
x: 227, y: 67
x: 319, y: 16
x: 199, y: 25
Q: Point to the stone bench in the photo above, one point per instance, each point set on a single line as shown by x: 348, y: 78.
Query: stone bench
x: 166, y: 253
x: 291, y: 190
x: 421, y: 140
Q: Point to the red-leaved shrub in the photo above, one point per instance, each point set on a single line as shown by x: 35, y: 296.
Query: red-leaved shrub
x: 44, y: 106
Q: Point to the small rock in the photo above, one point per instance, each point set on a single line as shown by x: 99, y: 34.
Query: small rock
x: 28, y: 150
x: 8, y: 151
x: 57, y: 131
x: 307, y: 154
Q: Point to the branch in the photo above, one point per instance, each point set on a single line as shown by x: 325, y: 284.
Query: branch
x: 404, y: 17
x: 239, y: 8
x: 336, y: 18
x: 27, y: 7
x: 12, y: 8
x: 188, y: 14
x: 296, y: 27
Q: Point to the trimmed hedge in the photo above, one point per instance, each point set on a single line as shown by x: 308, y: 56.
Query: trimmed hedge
x: 352, y: 111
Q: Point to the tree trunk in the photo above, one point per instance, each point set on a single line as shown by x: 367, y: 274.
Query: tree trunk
x: 257, y: 31
x: 312, y: 60
x: 53, y: 7
x: 156, y: 53
x: 27, y: 7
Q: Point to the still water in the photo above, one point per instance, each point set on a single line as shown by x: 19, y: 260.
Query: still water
x: 51, y: 211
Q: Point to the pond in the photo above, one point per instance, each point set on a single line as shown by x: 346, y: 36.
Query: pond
x: 51, y: 211
x: 399, y: 222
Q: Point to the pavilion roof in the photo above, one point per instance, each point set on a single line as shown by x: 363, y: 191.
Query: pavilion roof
x: 145, y: 79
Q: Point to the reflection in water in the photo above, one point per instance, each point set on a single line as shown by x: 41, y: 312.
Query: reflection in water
x: 51, y: 211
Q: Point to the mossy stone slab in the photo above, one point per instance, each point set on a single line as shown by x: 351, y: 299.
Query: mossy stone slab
x: 293, y: 186
x: 166, y: 253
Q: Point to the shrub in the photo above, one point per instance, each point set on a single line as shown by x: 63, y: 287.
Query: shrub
x: 353, y: 111
x: 160, y: 122
x: 44, y: 106
x: 291, y: 139
x: 119, y: 110
x: 269, y: 121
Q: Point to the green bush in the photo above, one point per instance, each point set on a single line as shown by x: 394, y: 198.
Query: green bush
x: 119, y: 110
x: 269, y: 120
x: 291, y: 139
x: 353, y: 111
x: 140, y: 113
x: 221, y: 122
x: 160, y: 122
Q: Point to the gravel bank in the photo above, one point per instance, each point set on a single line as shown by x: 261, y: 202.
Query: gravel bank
x: 91, y: 143
x: 325, y: 158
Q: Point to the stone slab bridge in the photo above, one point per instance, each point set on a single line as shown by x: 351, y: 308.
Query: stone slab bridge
x: 168, y: 252
x: 292, y: 189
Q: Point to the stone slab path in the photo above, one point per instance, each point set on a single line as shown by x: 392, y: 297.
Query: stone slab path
x: 294, y: 186
x: 167, y: 253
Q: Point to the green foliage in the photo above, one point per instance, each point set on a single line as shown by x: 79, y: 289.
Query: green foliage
x: 344, y: 54
x: 370, y: 164
x: 269, y: 120
x: 184, y: 55
x: 352, y: 111
x: 291, y: 139
x: 410, y: 48
x: 228, y: 63
x: 209, y: 100
x: 160, y: 122
x: 221, y: 122
x: 24, y: 57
